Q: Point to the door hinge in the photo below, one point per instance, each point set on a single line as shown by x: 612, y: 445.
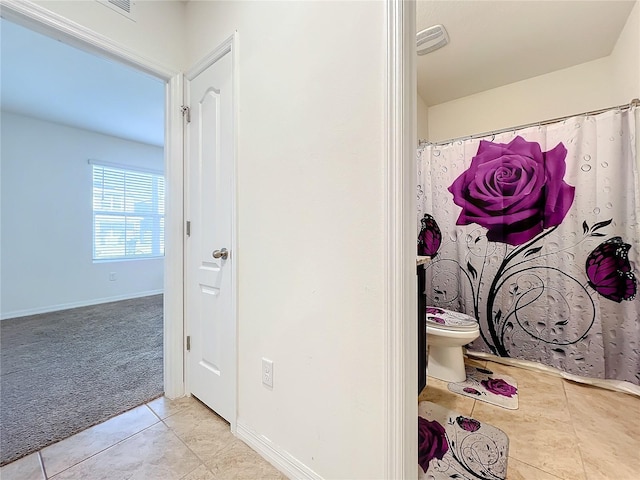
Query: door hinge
x: 188, y: 343
x: 188, y: 228
x: 186, y: 113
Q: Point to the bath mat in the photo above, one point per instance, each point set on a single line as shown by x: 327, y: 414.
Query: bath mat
x: 451, y: 445
x: 486, y: 386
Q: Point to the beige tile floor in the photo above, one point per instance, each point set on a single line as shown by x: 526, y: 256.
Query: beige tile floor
x: 561, y: 429
x: 162, y: 440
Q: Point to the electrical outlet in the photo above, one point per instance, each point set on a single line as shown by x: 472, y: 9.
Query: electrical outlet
x: 267, y: 372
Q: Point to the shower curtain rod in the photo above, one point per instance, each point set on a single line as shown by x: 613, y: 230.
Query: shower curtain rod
x: 633, y: 103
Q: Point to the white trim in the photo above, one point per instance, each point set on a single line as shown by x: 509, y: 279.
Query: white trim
x: 220, y: 51
x: 40, y: 19
x: 235, y: 68
x: 229, y: 45
x: 83, y: 303
x: 281, y: 459
x: 174, y: 344
x: 401, y: 376
x: 122, y: 166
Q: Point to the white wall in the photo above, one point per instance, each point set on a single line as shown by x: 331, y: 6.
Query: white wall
x: 422, y: 119
x: 310, y: 207
x: 563, y: 92
x: 156, y: 34
x: 47, y: 218
x: 625, y: 59
x: 601, y: 83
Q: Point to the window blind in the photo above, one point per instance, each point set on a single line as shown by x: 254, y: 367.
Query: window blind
x: 128, y: 213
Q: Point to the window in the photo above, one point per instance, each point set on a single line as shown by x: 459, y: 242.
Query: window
x: 128, y: 213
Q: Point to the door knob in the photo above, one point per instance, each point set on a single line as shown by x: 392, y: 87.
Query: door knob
x: 222, y: 253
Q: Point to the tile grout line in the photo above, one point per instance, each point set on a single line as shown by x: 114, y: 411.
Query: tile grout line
x: 188, y: 447
x: 44, y: 470
x: 537, y: 468
x: 573, y: 427
x: 100, y: 451
x: 154, y: 412
x: 516, y: 458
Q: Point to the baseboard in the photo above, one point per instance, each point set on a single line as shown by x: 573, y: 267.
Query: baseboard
x: 615, y: 385
x: 282, y: 460
x: 85, y: 303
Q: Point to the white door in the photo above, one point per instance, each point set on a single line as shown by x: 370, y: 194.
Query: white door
x: 209, y: 283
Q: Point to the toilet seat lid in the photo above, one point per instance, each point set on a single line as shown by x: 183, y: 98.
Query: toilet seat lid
x: 441, y: 318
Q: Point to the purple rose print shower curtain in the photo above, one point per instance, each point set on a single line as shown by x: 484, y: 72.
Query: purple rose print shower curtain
x: 536, y: 234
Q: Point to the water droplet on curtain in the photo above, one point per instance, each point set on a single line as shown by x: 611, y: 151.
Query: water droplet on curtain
x: 436, y: 153
x: 587, y: 158
x: 611, y: 139
x: 444, y: 169
x: 585, y: 168
x: 596, y: 210
x: 577, y: 125
x: 609, y: 205
x: 604, y: 164
x: 607, y: 189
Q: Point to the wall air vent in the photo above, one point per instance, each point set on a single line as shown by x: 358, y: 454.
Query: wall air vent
x: 124, y: 7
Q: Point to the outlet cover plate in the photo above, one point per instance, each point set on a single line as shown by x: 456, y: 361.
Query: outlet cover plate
x: 267, y: 372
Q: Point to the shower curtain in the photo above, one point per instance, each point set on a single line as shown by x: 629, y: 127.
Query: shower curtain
x: 535, y: 233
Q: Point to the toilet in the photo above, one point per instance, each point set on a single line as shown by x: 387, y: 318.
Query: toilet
x: 447, y: 332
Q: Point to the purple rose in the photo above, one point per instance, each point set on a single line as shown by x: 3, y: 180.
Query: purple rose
x: 499, y: 387
x: 437, y: 320
x: 609, y: 270
x: 432, y: 442
x: 514, y: 190
x: 434, y: 310
x: 430, y: 237
x: 473, y: 391
x: 468, y: 424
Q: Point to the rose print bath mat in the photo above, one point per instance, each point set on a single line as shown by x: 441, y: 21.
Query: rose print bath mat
x: 484, y: 385
x: 451, y: 445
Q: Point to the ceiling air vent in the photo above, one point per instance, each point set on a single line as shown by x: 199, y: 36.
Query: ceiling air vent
x: 125, y: 7
x: 431, y: 39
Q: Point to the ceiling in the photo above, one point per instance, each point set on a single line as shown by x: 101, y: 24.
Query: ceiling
x: 495, y: 43
x: 47, y: 79
x: 492, y: 43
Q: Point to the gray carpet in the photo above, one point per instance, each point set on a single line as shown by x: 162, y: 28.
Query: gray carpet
x: 65, y: 371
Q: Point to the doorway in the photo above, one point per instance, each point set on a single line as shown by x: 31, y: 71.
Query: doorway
x: 136, y: 234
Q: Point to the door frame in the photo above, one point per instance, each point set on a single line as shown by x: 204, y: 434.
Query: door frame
x: 401, y: 323
x: 228, y: 46
x: 41, y: 20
